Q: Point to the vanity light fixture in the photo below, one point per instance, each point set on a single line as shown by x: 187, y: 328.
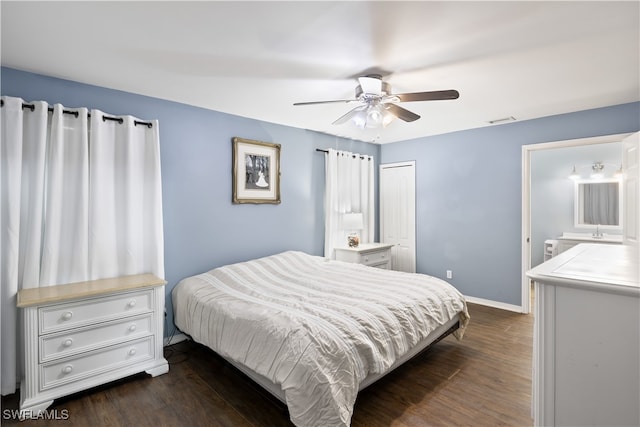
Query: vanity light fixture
x: 574, y: 174
x: 597, y: 170
x: 619, y: 173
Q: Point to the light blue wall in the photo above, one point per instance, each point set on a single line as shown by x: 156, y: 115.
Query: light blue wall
x: 468, y: 195
x: 552, y: 192
x: 202, y: 228
x: 468, y: 184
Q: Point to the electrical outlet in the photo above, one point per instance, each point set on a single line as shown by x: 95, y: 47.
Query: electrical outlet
x: 449, y: 274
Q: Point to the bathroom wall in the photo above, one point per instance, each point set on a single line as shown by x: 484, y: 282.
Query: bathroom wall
x: 552, y: 192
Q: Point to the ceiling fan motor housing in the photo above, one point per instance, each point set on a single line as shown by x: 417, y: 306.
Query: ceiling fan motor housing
x: 385, y: 89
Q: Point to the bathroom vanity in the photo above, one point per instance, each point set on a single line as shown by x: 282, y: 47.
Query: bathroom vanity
x: 586, y: 351
x: 569, y: 240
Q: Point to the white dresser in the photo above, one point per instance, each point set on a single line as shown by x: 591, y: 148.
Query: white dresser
x: 371, y: 254
x: 81, y: 335
x: 586, y: 351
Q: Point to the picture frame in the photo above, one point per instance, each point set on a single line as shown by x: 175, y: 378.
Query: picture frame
x: 256, y: 171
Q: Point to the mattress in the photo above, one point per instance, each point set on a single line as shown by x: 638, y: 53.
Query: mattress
x: 314, y: 327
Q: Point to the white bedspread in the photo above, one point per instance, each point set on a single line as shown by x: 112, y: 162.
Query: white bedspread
x: 313, y: 326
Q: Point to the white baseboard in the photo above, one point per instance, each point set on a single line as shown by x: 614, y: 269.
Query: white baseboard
x: 494, y: 304
x: 175, y: 339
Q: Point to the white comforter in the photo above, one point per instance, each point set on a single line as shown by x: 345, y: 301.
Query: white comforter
x: 313, y: 326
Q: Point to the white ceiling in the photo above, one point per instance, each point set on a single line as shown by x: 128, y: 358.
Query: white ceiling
x: 255, y: 59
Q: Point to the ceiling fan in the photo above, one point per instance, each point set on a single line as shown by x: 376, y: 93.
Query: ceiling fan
x: 379, y: 106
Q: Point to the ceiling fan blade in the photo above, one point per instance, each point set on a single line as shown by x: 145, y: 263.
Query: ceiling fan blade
x: 345, y: 118
x: 344, y: 101
x: 371, y: 85
x: 402, y: 113
x: 427, y: 96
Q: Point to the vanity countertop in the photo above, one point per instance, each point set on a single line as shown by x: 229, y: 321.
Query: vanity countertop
x: 588, y: 237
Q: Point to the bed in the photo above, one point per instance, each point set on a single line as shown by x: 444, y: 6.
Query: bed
x: 314, y: 332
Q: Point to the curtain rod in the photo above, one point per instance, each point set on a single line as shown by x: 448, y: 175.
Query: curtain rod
x: 327, y: 151
x: 75, y: 113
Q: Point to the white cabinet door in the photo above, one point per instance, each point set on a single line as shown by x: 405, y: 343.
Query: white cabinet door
x: 631, y: 189
x: 398, y: 213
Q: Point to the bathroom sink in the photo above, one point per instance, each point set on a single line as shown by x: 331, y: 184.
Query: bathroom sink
x: 577, y: 235
x: 590, y: 236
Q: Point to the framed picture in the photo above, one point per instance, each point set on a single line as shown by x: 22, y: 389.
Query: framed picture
x: 256, y: 171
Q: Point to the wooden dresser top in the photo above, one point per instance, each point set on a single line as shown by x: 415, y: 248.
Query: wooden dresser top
x: 48, y: 294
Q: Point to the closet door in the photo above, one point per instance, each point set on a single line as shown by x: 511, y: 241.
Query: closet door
x: 398, y: 213
x: 631, y: 189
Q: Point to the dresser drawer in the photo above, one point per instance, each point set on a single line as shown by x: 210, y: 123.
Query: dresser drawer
x: 67, y: 343
x: 61, y: 317
x: 375, y: 258
x: 96, y: 362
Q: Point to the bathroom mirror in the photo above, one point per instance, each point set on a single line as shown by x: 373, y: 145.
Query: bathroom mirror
x: 598, y: 203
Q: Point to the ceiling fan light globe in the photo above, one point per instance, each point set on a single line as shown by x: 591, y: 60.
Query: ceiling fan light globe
x: 387, y: 119
x: 360, y: 119
x: 374, y: 117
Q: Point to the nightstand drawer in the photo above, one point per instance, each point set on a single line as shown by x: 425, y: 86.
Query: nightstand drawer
x: 375, y: 258
x: 96, y: 362
x: 63, y: 344
x: 72, y: 315
x: 369, y: 254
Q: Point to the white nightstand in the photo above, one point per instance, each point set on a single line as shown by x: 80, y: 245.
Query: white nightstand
x: 81, y: 335
x: 371, y: 254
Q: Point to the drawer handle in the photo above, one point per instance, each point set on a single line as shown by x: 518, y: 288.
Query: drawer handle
x: 67, y: 315
x: 67, y: 369
x: 132, y: 352
x: 132, y: 328
x: 67, y: 342
x: 366, y: 258
x: 132, y: 303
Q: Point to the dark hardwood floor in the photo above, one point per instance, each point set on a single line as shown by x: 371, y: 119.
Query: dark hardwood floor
x: 483, y: 380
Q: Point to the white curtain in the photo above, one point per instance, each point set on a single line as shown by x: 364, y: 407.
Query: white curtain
x: 349, y: 185
x: 125, y: 214
x: 79, y: 200
x: 65, y: 196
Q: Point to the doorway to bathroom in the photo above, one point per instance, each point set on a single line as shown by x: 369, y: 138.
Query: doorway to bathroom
x: 548, y: 193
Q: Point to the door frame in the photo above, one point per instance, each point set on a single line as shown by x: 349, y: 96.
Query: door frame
x: 411, y: 164
x: 526, y: 199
